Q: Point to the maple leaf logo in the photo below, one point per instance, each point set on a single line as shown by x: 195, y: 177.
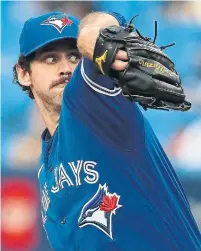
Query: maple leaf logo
x: 109, y: 203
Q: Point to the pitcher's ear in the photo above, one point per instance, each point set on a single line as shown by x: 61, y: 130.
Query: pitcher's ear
x: 23, y: 76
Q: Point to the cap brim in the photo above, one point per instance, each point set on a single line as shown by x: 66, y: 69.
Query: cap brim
x: 48, y: 42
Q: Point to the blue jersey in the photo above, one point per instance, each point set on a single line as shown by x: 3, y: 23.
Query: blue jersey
x: 105, y: 181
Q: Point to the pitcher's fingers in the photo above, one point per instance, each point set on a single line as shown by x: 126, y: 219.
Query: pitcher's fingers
x: 121, y: 55
x: 119, y: 65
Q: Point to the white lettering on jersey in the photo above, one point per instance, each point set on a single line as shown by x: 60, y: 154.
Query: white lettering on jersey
x: 55, y: 189
x: 94, y: 174
x: 45, y: 201
x: 76, y: 170
x: 61, y: 176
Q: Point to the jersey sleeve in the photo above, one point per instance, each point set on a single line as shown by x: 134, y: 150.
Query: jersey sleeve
x: 99, y: 103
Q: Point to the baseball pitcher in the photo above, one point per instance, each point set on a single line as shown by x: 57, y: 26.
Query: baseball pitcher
x: 105, y: 182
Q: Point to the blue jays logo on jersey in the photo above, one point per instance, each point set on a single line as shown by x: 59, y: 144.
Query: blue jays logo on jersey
x: 58, y: 21
x: 98, y: 211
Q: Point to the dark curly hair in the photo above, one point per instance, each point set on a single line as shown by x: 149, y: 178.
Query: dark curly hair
x: 24, y: 63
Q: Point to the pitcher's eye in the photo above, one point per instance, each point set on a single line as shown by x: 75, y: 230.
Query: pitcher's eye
x: 51, y: 60
x: 74, y: 59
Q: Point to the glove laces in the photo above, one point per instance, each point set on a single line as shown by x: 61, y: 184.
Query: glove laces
x: 130, y: 28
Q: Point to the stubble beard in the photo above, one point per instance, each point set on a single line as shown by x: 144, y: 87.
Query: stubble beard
x: 51, y: 103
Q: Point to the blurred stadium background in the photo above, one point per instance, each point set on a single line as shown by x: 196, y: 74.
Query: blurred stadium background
x: 179, y: 133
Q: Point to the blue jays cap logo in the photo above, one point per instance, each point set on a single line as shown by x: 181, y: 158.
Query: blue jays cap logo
x: 58, y: 21
x: 98, y: 211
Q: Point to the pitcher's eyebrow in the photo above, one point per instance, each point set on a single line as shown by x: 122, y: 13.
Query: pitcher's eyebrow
x: 50, y: 49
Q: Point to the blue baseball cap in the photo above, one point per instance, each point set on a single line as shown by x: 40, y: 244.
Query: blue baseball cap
x: 42, y: 30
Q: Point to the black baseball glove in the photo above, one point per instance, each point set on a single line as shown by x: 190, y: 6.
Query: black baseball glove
x: 150, y: 77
